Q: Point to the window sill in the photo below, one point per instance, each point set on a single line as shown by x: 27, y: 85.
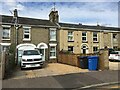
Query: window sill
x: 53, y: 40
x: 26, y: 40
x: 95, y: 42
x: 84, y: 41
x: 70, y: 41
x: 6, y: 39
x: 52, y: 57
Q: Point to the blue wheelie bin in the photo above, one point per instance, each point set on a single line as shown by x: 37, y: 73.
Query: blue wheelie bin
x: 92, y: 62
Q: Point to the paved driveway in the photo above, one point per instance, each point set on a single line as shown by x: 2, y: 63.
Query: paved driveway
x: 50, y: 70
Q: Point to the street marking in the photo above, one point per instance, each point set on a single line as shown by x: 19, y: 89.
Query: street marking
x: 95, y: 85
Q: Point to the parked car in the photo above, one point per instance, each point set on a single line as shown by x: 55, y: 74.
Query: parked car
x: 31, y: 58
x: 115, y: 56
x: 109, y: 51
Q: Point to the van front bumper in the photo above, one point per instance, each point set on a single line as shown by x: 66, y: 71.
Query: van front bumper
x: 31, y: 64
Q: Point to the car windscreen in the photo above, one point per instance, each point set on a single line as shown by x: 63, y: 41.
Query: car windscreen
x: 31, y: 52
x: 114, y: 52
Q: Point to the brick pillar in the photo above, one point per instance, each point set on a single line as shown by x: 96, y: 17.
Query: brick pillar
x: 104, y: 60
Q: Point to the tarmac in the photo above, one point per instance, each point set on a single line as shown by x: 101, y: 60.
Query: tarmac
x: 72, y: 81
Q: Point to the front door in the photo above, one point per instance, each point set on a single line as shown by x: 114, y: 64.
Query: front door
x: 42, y: 51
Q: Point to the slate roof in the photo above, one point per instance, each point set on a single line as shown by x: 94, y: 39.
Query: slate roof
x: 27, y: 21
x: 33, y: 21
x: 68, y: 25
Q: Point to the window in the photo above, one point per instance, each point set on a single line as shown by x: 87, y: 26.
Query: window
x: 95, y: 49
x: 5, y: 46
x: 6, y: 33
x: 70, y: 36
x: 26, y: 35
x: 52, y: 34
x: 95, y: 36
x: 52, y: 51
x: 114, y: 36
x: 70, y: 49
x: 84, y: 36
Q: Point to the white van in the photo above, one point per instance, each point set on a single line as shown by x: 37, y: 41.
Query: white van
x: 31, y: 58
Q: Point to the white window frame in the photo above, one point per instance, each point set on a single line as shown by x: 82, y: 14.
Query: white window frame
x: 53, y: 29
x: 6, y: 26
x: 93, y: 48
x: 25, y: 39
x: 4, y: 44
x: 71, y: 36
x: 84, y: 36
x: 53, y: 45
x: 95, y: 37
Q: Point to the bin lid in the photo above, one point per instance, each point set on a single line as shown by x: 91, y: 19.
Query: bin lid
x: 92, y: 56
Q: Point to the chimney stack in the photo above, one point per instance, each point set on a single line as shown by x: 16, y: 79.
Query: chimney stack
x: 15, y: 13
x: 53, y: 16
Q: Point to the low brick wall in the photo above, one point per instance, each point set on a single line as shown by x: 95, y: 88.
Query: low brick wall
x: 71, y: 59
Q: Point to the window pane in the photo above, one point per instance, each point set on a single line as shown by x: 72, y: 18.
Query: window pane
x: 26, y: 36
x: 26, y: 33
x: 84, y: 38
x: 95, y: 49
x: 70, y: 33
x: 52, y: 51
x: 70, y: 38
x: 83, y: 33
x: 94, y: 39
x: 70, y: 48
x: 6, y: 33
x: 52, y: 34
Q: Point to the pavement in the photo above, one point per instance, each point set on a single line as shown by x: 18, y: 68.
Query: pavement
x: 73, y: 81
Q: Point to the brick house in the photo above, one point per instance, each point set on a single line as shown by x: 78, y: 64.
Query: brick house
x: 57, y: 36
x: 80, y: 38
x: 19, y: 30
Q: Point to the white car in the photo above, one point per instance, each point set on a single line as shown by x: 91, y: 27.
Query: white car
x: 31, y: 58
x: 115, y: 56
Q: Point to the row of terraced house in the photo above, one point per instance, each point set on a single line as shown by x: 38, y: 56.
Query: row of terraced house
x: 55, y: 36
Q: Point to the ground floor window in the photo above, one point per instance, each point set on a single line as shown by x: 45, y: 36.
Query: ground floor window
x: 115, y: 47
x: 4, y: 46
x: 52, y: 51
x: 95, y: 49
x: 70, y: 49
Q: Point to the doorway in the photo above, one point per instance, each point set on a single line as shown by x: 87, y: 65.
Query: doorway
x: 42, y: 48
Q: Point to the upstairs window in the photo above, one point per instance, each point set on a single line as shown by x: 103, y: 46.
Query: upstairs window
x: 84, y: 36
x: 114, y: 36
x: 52, y: 34
x: 26, y: 35
x: 70, y: 36
x: 95, y: 36
x: 6, y: 32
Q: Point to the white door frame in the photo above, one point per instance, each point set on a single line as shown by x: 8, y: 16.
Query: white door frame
x: 44, y: 47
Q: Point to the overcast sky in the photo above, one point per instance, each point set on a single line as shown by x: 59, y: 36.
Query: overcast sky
x: 72, y: 11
